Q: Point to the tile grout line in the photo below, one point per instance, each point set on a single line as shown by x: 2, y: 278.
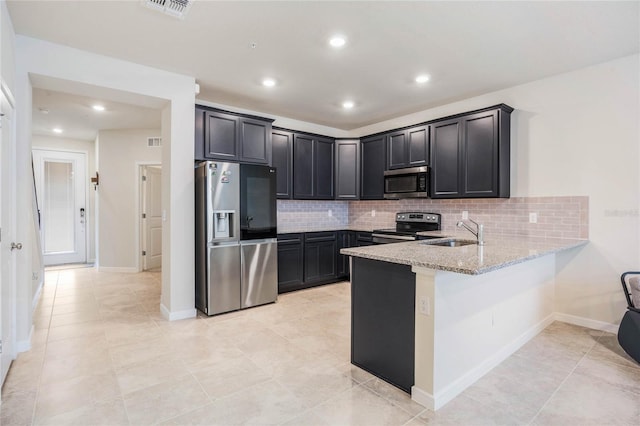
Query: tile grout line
x: 46, y: 344
x: 563, y: 382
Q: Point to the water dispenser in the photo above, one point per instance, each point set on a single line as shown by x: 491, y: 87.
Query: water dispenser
x: 223, y: 223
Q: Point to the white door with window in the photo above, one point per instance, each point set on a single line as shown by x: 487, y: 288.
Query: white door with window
x: 61, y: 185
x: 151, y: 217
x: 9, y: 248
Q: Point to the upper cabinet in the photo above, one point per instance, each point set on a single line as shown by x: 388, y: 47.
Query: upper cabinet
x: 282, y: 160
x: 470, y: 155
x: 313, y: 167
x: 408, y: 148
x: 347, y: 169
x: 225, y: 136
x: 372, y: 166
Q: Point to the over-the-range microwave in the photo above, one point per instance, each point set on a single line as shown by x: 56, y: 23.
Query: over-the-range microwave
x: 411, y: 182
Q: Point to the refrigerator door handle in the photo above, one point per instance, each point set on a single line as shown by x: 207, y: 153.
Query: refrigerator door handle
x: 255, y: 242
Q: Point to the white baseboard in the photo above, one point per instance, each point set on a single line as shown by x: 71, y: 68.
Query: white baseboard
x: 131, y: 270
x: 25, y: 345
x: 437, y: 401
x: 587, y: 322
x: 36, y: 297
x: 179, y: 315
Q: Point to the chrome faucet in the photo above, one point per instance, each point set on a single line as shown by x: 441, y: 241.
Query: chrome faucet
x: 479, y: 232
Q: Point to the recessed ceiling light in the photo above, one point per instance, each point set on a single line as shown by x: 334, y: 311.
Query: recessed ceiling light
x: 423, y: 78
x: 348, y: 104
x: 268, y: 82
x: 57, y: 130
x: 98, y: 107
x: 337, y: 41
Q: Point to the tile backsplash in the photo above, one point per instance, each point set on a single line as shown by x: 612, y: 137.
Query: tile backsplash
x: 306, y: 216
x: 562, y: 217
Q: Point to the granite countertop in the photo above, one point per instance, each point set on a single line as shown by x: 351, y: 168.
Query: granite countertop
x: 324, y: 229
x: 497, y: 253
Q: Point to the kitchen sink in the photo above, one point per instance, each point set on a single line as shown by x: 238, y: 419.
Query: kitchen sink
x: 451, y: 243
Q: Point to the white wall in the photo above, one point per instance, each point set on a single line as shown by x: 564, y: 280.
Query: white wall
x: 178, y: 92
x: 121, y: 152
x: 87, y: 147
x: 576, y: 134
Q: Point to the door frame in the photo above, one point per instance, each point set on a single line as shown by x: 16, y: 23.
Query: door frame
x: 140, y: 165
x: 87, y: 204
x: 10, y: 346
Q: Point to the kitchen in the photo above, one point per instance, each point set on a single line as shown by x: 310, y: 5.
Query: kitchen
x: 551, y: 117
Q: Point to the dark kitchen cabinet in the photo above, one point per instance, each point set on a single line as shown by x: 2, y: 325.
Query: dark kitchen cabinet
x: 290, y: 262
x: 470, y: 155
x: 282, y: 160
x: 347, y: 169
x: 408, y: 148
x: 320, y: 256
x: 372, y: 166
x: 346, y: 239
x: 225, y: 136
x: 364, y: 239
x: 383, y: 320
x: 313, y: 167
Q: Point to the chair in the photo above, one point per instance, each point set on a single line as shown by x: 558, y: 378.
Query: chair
x: 629, y: 331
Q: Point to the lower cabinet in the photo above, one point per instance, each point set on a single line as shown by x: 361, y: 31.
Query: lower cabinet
x: 364, y: 239
x: 320, y: 250
x: 290, y: 262
x: 313, y: 258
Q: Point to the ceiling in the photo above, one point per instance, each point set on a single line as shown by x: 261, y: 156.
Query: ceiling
x: 69, y: 106
x: 467, y: 48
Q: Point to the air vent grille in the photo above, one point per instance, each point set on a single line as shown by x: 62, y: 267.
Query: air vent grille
x: 154, y: 141
x: 177, y: 8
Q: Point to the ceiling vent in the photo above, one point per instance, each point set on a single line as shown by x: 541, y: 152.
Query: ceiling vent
x: 154, y: 142
x: 175, y: 8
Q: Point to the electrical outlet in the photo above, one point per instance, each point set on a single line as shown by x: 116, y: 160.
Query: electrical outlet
x: 425, y: 306
x: 329, y: 213
x: 465, y: 215
x: 373, y: 213
x: 533, y: 217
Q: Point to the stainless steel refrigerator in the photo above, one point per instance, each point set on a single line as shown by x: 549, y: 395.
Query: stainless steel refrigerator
x: 236, y: 236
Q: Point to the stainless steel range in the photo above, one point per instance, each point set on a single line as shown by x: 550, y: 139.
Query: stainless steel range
x: 408, y: 224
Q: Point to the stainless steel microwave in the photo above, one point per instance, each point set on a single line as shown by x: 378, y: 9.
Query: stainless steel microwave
x: 412, y: 182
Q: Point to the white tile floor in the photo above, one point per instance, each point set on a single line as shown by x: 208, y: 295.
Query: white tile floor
x: 103, y: 355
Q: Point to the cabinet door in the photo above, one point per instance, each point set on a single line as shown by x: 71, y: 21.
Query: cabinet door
x: 446, y: 159
x: 347, y: 169
x: 346, y: 239
x: 282, y: 153
x: 397, y: 150
x: 418, y: 146
x: 199, y: 134
x: 303, y: 167
x: 372, y: 164
x: 481, y: 154
x: 290, y: 262
x: 320, y: 256
x: 221, y: 136
x: 364, y: 239
x: 324, y: 169
x: 255, y: 141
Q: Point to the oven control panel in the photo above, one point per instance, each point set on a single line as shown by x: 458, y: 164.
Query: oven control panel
x: 418, y: 217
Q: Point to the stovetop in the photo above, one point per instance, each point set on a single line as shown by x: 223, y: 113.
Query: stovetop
x: 410, y: 223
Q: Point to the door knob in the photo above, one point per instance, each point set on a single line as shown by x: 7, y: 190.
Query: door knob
x: 15, y: 246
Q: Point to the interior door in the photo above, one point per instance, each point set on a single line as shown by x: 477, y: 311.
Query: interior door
x: 61, y: 182
x: 8, y: 246
x: 152, y: 217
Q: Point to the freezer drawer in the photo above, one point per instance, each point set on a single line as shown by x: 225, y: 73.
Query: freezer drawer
x: 223, y: 292
x: 259, y: 272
